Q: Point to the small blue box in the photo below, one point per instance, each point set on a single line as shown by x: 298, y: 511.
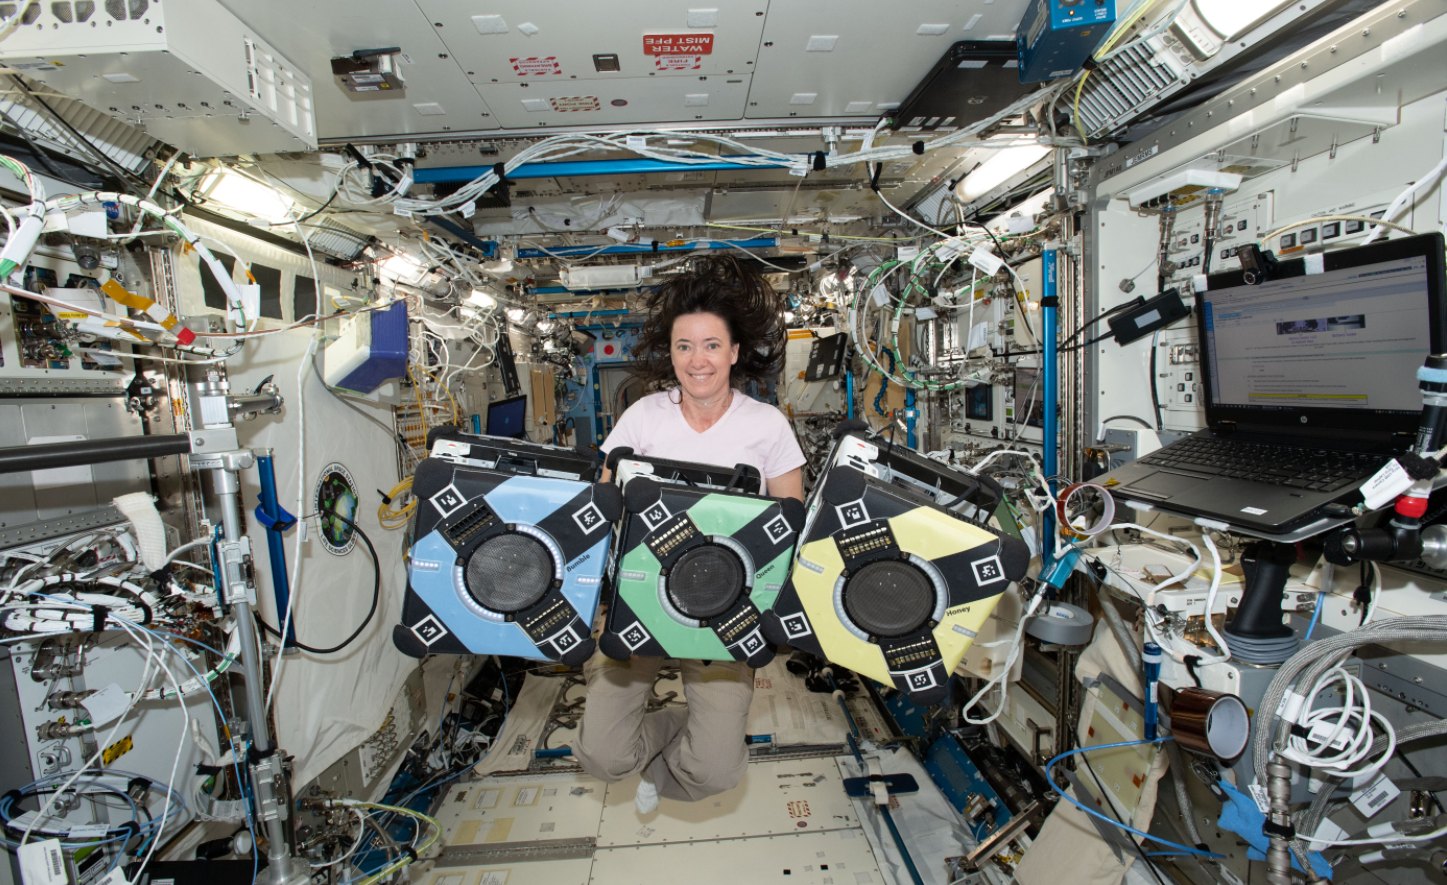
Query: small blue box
x: 1057, y: 36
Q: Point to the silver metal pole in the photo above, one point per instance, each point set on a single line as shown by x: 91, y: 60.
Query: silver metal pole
x: 267, y: 776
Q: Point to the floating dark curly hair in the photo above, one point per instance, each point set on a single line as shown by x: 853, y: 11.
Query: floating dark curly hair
x: 735, y: 292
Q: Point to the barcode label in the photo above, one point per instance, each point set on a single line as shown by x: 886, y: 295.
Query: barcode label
x: 1375, y: 796
x: 41, y: 863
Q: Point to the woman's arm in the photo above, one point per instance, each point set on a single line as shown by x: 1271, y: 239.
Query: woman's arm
x: 788, y: 485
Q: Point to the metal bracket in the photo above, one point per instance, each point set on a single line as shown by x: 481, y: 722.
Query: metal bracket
x: 996, y: 840
x: 1037, y: 732
x: 235, y: 584
x: 270, y: 785
x: 543, y: 849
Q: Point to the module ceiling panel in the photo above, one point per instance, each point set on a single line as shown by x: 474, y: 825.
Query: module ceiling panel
x: 503, y: 41
x: 312, y: 33
x: 828, y: 58
x: 541, y: 103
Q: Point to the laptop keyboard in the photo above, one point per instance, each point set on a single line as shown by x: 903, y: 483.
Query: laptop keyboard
x: 1317, y: 470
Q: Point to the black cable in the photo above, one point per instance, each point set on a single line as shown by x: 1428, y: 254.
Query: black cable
x: 1155, y: 395
x: 1206, y: 261
x: 101, y: 155
x: 376, y: 597
x: 40, y: 154
x: 1141, y: 421
x: 1065, y: 345
x: 318, y: 210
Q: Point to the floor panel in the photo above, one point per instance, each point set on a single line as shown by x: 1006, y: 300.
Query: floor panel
x: 773, y: 798
x: 521, y: 808
x: 842, y: 857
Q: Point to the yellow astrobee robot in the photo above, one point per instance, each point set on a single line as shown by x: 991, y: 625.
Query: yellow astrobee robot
x: 896, y: 569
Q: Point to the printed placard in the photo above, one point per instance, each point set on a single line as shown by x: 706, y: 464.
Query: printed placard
x: 678, y: 44
x: 567, y: 103
x: 677, y: 62
x: 536, y: 66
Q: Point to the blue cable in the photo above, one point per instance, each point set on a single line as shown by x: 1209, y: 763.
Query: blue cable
x: 884, y: 381
x: 1315, y: 615
x: 1110, y: 820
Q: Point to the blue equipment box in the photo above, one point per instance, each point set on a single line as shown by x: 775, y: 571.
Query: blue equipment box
x: 370, y: 351
x: 1060, y: 36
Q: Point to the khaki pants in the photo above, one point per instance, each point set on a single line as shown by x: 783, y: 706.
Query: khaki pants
x: 689, y: 752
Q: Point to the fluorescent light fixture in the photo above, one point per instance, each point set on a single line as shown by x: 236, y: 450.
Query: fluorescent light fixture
x: 401, y: 268
x: 246, y: 197
x: 1000, y: 224
x: 1004, y: 165
x: 482, y: 299
x: 1232, y: 18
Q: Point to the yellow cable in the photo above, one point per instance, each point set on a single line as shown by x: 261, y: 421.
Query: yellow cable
x: 456, y: 409
x: 397, y: 517
x: 417, y: 393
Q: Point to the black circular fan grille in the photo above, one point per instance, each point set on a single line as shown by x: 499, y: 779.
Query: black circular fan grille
x: 889, y: 598
x: 706, y: 581
x: 509, y: 572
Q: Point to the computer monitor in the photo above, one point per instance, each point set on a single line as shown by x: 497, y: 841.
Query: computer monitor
x: 508, y: 417
x: 1333, y: 341
x: 1029, y: 397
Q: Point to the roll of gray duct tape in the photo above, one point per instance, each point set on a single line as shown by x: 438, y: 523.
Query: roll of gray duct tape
x: 1062, y: 624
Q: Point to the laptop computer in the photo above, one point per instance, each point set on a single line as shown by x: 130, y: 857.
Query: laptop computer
x: 1309, y: 385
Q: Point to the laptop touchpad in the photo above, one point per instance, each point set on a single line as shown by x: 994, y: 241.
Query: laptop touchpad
x: 1164, y: 485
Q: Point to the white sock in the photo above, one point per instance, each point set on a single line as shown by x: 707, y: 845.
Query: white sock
x: 646, y: 799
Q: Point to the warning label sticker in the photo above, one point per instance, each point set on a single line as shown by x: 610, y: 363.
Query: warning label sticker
x: 678, y: 62
x: 527, y: 67
x: 575, y: 103
x: 678, y: 44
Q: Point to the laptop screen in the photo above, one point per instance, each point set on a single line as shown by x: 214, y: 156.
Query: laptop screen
x: 507, y: 417
x: 1330, y: 348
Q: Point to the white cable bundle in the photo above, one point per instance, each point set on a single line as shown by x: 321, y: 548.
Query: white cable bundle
x: 1338, y: 737
x: 140, y: 509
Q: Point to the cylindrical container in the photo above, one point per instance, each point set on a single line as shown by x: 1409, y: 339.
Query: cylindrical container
x: 1212, y: 723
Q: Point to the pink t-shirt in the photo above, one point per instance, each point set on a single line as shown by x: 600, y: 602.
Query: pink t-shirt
x: 750, y: 432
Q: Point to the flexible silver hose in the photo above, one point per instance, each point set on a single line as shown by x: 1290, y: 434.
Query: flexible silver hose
x: 1327, y: 652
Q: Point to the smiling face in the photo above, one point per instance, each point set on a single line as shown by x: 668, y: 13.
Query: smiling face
x: 703, y: 353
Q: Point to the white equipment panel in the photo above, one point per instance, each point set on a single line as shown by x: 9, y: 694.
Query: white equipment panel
x: 870, y: 63
x: 176, y: 71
